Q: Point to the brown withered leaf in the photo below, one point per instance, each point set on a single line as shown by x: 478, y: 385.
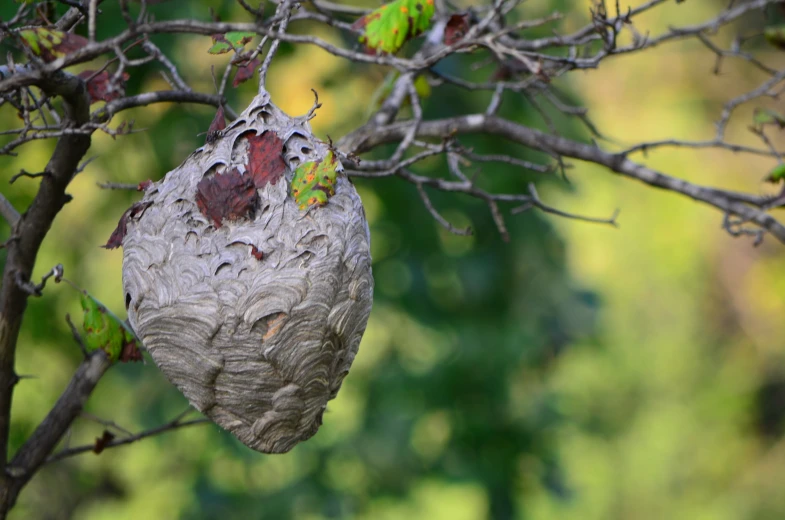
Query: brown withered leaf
x: 265, y: 158
x: 217, y: 126
x: 130, y: 353
x: 245, y: 71
x: 456, y: 28
x: 103, y: 441
x: 116, y: 239
x: 99, y: 85
x: 228, y: 196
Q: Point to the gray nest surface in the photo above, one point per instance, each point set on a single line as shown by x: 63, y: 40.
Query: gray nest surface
x: 256, y: 318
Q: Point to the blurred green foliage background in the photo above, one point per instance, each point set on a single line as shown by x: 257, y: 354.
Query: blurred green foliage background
x: 576, y: 372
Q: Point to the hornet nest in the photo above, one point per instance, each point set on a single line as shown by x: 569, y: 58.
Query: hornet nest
x: 250, y: 289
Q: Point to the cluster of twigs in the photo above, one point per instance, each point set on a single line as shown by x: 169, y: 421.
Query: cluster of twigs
x: 492, y: 33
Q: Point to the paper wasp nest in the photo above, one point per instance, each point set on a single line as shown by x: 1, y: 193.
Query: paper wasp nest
x: 251, y: 293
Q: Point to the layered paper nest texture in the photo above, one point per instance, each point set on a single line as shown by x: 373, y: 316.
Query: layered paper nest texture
x: 256, y: 318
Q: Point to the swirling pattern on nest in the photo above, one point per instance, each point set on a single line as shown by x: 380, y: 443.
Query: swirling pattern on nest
x: 256, y: 318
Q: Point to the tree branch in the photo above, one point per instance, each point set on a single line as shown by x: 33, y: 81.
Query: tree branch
x: 175, y: 424
x: 163, y: 96
x: 37, y: 448
x: 29, y: 232
x: 361, y: 141
x: 8, y: 211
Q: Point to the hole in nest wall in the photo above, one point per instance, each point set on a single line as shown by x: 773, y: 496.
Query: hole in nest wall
x: 222, y: 267
x: 262, y: 116
x: 269, y: 325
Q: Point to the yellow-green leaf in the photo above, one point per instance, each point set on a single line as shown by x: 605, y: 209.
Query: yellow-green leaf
x: 50, y: 44
x: 422, y: 87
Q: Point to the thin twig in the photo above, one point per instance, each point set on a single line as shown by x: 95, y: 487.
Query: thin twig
x: 170, y: 426
x: 9, y: 212
x: 284, y: 9
x: 537, y: 203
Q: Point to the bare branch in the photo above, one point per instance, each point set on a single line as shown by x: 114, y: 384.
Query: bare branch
x: 175, y: 424
x: 30, y: 231
x: 537, y: 203
x: 362, y: 141
x: 440, y: 219
x: 8, y: 211
x: 37, y: 448
x: 284, y: 10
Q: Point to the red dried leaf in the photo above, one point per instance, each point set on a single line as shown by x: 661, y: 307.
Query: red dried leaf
x: 103, y: 441
x: 144, y: 185
x: 245, y: 72
x: 116, y: 239
x: 229, y: 196
x: 256, y: 253
x: 217, y: 126
x: 130, y: 353
x: 100, y: 86
x: 457, y: 26
x: 265, y: 158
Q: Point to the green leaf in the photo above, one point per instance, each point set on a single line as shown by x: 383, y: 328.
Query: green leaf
x: 775, y: 36
x: 105, y: 331
x: 764, y: 116
x: 777, y: 174
x: 314, y: 182
x: 50, y: 44
x: 387, y: 28
x: 235, y: 40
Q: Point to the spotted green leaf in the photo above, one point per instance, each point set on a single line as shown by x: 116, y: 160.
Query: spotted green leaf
x: 230, y: 41
x: 105, y: 331
x: 387, y: 28
x: 314, y: 182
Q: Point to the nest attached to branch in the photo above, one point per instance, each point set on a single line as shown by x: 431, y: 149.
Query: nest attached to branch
x: 251, y: 302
